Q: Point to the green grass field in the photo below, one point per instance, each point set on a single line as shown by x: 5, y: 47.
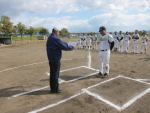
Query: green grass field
x: 25, y: 38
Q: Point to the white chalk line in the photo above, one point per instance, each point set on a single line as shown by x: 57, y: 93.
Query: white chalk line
x: 28, y: 92
x: 135, y: 80
x: 55, y: 104
x: 61, y: 81
x: 103, y: 99
x: 102, y: 82
x: 143, y: 79
x: 81, y: 77
x: 135, y: 99
x: 130, y: 102
x: 26, y: 65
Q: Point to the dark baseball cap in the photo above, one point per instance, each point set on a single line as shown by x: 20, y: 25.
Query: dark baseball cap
x: 102, y: 28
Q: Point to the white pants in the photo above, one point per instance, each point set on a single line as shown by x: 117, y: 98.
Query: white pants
x: 84, y: 43
x: 116, y: 43
x: 120, y: 45
x: 79, y: 44
x: 135, y: 46
x: 126, y: 45
x: 94, y: 44
x: 143, y: 47
x: 104, y: 57
x: 89, y: 43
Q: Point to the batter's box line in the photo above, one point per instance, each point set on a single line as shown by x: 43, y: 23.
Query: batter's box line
x: 130, y: 102
x: 61, y: 81
x: 26, y: 65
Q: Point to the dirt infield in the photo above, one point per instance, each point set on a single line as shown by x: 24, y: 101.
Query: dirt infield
x: 24, y: 70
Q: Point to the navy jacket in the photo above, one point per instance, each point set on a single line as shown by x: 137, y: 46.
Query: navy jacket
x: 54, y: 48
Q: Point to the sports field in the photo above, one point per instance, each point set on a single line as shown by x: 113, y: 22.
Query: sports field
x: 24, y: 82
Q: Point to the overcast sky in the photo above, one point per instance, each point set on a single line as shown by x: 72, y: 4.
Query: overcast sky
x: 79, y: 15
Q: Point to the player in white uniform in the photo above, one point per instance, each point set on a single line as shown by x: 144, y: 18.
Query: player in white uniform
x: 84, y: 41
x: 144, y: 43
x: 89, y: 38
x: 135, y: 38
x: 105, y: 46
x: 115, y: 41
x: 79, y: 41
x: 94, y: 41
x: 120, y: 41
x: 127, y: 38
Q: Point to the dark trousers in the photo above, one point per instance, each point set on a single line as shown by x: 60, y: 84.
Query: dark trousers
x: 54, y: 75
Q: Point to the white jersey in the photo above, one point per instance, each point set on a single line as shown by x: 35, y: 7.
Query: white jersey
x: 89, y: 38
x: 136, y: 36
x: 144, y: 39
x: 94, y: 37
x: 115, y: 36
x: 79, y: 38
x: 105, y: 41
x: 127, y: 37
x: 83, y: 38
x: 120, y: 36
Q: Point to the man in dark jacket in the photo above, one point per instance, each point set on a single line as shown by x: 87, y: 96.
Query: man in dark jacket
x: 54, y: 53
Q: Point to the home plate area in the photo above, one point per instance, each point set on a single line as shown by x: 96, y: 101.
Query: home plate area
x: 116, y: 93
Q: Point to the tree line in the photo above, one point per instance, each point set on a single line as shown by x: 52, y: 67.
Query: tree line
x: 7, y: 27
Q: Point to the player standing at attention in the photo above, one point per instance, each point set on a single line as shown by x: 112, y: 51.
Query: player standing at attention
x: 89, y: 40
x: 135, y: 38
x: 120, y: 41
x: 79, y: 42
x: 106, y: 45
x: 144, y: 43
x: 126, y: 41
x: 115, y: 41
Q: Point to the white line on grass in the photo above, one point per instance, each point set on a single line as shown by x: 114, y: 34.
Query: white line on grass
x: 55, y: 104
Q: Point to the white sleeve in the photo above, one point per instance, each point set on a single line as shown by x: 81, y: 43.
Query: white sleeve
x: 110, y: 38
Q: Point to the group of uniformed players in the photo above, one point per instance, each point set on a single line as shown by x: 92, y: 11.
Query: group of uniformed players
x: 120, y: 40
x: 88, y: 40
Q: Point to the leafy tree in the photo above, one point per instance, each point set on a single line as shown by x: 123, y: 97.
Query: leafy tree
x: 43, y: 31
x: 6, y: 26
x: 15, y: 30
x: 21, y: 29
x: 64, y: 32
x: 31, y: 31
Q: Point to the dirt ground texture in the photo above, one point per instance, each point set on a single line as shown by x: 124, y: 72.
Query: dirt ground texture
x: 29, y: 77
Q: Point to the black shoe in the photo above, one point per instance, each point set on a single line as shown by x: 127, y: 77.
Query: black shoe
x: 99, y: 75
x: 105, y: 75
x: 56, y: 92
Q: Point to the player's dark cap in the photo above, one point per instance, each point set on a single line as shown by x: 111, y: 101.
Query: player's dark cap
x: 102, y: 28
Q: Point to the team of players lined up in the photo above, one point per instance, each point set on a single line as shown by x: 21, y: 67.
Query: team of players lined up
x: 120, y: 40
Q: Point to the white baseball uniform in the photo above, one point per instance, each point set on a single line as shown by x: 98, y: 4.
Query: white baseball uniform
x: 126, y: 42
x: 79, y: 42
x: 144, y: 44
x: 94, y: 41
x: 115, y: 41
x: 135, y: 43
x: 89, y: 40
x: 120, y: 42
x: 104, y: 52
x: 84, y: 41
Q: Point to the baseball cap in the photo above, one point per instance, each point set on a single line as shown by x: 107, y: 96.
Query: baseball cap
x: 102, y: 28
x: 56, y: 28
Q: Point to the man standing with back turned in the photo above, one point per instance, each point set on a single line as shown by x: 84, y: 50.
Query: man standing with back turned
x: 106, y: 45
x: 54, y: 53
